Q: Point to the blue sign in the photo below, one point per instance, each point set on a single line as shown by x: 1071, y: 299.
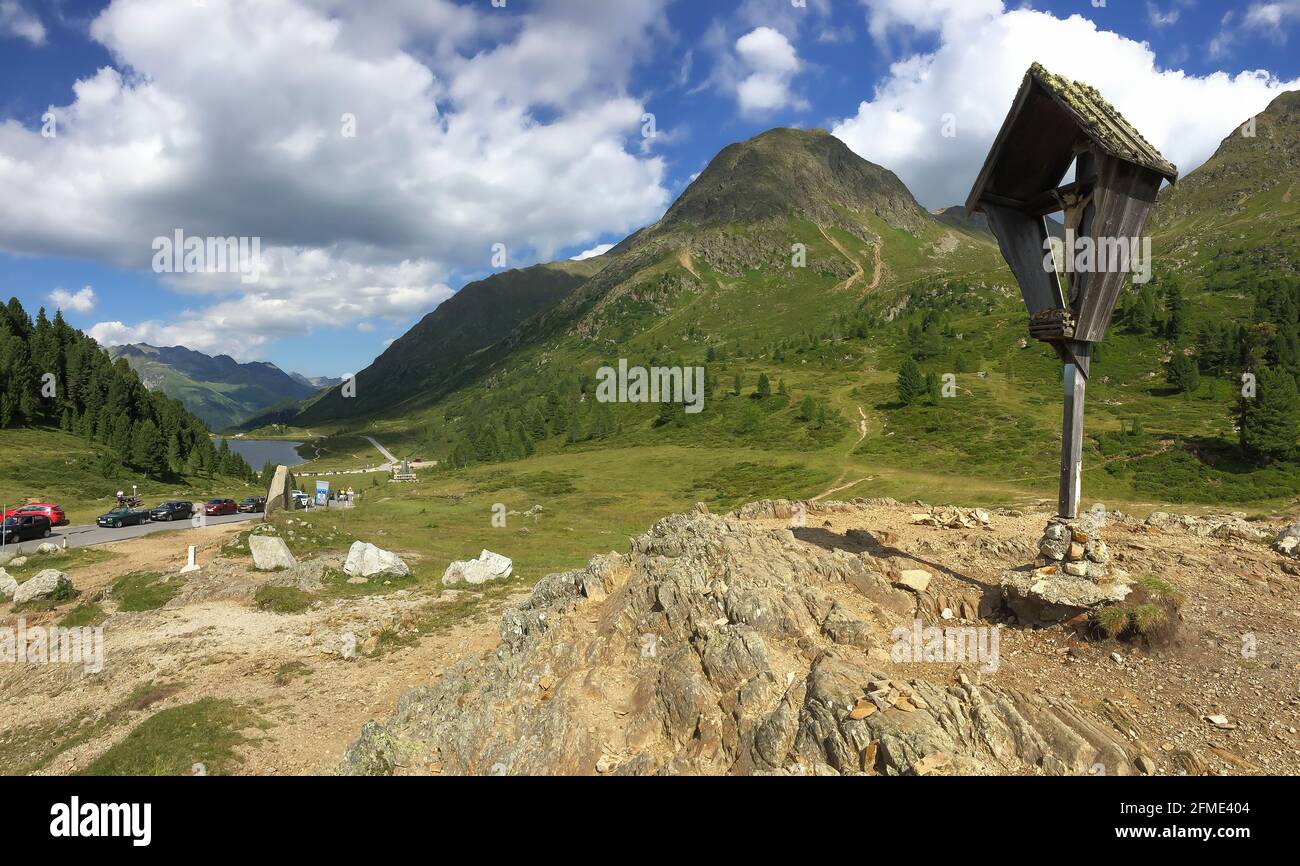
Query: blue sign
x: 322, y: 492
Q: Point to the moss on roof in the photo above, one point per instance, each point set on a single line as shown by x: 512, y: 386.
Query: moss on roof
x: 1103, y: 122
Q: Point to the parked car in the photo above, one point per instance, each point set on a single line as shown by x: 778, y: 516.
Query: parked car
x: 119, y: 517
x: 252, y: 504
x: 172, y: 510
x: 46, y: 509
x: 220, y: 507
x: 24, y: 527
x: 302, y: 500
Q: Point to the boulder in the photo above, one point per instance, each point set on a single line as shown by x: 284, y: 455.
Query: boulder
x: 488, y: 566
x: 7, y: 585
x: 18, y: 561
x: 366, y: 560
x: 1288, y: 541
x: 279, y: 496
x: 270, y: 553
x: 50, y: 583
x: 47, y: 548
x: 1046, y: 596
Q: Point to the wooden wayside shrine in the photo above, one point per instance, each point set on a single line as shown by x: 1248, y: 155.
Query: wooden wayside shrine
x: 1053, y: 123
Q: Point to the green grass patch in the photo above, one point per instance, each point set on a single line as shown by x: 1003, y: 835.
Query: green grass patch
x: 172, y: 741
x: 88, y: 613
x: 282, y: 599
x: 145, y: 590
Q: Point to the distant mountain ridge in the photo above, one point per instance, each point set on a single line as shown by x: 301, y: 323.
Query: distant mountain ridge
x: 219, y: 390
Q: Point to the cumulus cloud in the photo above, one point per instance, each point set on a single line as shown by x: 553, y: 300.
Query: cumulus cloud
x: 771, y: 62
x: 972, y: 74
x: 77, y: 302
x: 17, y: 21
x: 236, y: 119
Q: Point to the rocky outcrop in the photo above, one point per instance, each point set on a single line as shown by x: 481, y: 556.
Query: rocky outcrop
x: 366, y: 560
x: 1046, y: 595
x: 717, y: 646
x: 8, y: 585
x: 1229, y: 526
x: 50, y: 583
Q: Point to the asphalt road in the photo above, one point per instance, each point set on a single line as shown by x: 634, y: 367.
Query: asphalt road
x: 90, y: 535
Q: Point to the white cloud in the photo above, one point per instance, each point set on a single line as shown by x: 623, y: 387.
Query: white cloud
x: 948, y: 17
x: 1272, y: 16
x: 77, y: 302
x: 598, y: 250
x: 973, y: 73
x: 770, y: 63
x: 227, y: 120
x: 1158, y: 17
x: 17, y: 21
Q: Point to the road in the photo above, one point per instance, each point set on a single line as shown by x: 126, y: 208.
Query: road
x: 90, y: 535
x: 388, y: 455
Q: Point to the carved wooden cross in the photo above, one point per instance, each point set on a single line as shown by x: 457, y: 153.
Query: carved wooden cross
x: 1054, y: 122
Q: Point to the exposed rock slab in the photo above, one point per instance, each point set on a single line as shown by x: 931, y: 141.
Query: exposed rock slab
x: 716, y: 646
x: 46, y: 584
x: 1046, y: 596
x: 488, y: 566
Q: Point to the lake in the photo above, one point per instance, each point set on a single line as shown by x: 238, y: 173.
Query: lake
x: 256, y: 452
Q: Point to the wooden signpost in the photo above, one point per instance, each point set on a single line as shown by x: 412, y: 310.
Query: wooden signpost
x: 1054, y: 122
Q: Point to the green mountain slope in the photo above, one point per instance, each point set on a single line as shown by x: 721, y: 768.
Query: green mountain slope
x: 429, y: 354
x: 219, y: 390
x: 804, y: 298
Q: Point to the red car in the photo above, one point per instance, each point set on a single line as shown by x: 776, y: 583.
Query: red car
x: 220, y: 507
x: 45, y: 509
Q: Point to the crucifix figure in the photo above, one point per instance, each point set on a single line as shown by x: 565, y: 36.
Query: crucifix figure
x: 1054, y: 123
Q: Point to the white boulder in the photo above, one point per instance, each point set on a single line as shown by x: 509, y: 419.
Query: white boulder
x: 47, y: 584
x: 7, y: 585
x: 270, y: 553
x: 488, y: 566
x: 47, y: 548
x: 366, y: 560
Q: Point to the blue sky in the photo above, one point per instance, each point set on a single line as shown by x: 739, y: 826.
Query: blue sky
x: 523, y: 126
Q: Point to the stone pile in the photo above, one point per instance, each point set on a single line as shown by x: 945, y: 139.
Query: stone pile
x: 954, y: 518
x: 1071, y: 576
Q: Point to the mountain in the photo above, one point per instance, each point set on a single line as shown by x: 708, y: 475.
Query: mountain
x: 803, y: 277
x: 958, y: 217
x: 317, y: 382
x: 219, y: 390
x: 477, y: 316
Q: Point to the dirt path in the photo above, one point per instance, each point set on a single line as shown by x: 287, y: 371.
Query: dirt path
x: 859, y: 272
x: 684, y: 259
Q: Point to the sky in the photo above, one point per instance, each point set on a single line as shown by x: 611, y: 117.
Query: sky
x: 375, y: 157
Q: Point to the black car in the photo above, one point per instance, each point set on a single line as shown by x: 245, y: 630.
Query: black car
x: 252, y: 504
x: 173, y: 510
x: 24, y: 527
x: 119, y: 517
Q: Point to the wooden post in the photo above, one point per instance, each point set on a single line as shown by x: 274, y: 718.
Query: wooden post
x: 1078, y: 358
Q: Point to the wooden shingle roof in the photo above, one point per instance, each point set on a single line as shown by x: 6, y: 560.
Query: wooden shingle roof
x: 1102, y: 122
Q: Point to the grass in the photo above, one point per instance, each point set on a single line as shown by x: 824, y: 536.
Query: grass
x: 87, y: 613
x: 30, y: 748
x: 172, y: 741
x: 290, y: 671
x: 66, y: 561
x: 1150, y: 615
x: 145, y: 590
x: 282, y: 599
